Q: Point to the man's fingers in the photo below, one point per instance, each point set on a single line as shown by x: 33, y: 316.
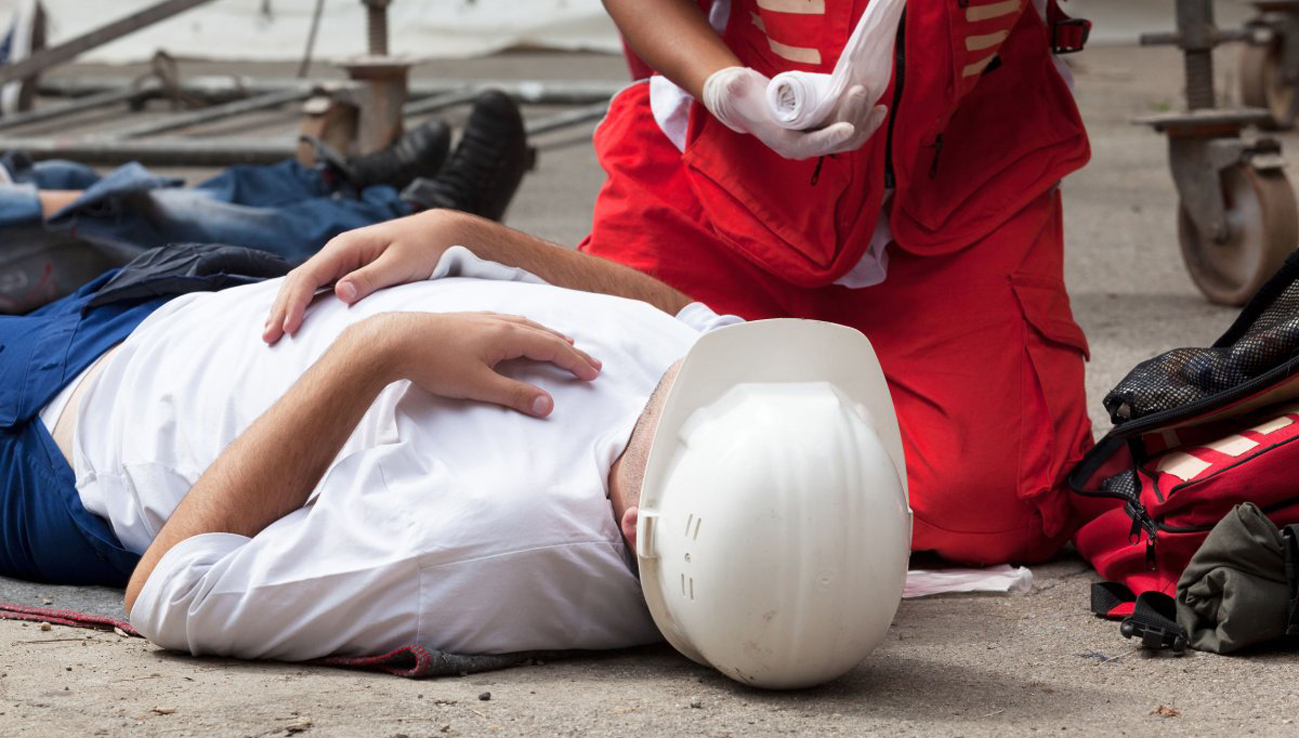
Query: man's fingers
x: 526, y: 398
x: 529, y: 343
x: 344, y: 253
x: 545, y: 345
x: 533, y: 324
x: 277, y: 323
x: 385, y: 271
x: 295, y: 294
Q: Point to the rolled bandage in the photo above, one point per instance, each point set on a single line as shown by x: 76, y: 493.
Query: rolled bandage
x: 803, y: 100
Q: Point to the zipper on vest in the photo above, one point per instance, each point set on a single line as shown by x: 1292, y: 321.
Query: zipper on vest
x: 937, y: 146
x: 899, y: 73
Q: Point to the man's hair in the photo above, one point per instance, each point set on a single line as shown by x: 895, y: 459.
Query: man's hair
x: 636, y: 456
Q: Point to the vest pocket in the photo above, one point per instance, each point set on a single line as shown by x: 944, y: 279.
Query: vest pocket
x: 802, y: 225
x: 1055, y: 432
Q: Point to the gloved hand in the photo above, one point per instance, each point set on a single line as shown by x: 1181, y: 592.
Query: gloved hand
x: 737, y: 96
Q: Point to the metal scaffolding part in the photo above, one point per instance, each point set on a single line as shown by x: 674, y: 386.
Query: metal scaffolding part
x: 566, y: 119
x: 41, y: 60
x: 376, y: 22
x: 441, y: 101
x: 378, y: 92
x: 165, y: 151
x: 79, y: 105
x: 211, y: 114
x: 227, y: 87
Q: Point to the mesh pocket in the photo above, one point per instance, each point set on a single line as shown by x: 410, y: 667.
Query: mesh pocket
x: 1186, y: 375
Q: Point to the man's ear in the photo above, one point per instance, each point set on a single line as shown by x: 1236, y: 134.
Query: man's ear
x: 629, y: 526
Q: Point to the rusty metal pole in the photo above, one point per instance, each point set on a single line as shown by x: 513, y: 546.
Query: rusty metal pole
x: 376, y: 20
x: 1195, y: 26
x: 383, y: 84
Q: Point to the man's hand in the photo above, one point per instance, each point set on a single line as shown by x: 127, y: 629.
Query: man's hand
x: 359, y: 262
x: 408, y: 249
x: 737, y: 96
x: 456, y: 354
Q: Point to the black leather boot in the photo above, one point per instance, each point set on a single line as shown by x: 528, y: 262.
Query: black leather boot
x: 420, y: 152
x: 487, y: 166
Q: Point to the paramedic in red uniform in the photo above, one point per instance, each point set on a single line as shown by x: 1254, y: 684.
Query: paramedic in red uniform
x: 938, y: 234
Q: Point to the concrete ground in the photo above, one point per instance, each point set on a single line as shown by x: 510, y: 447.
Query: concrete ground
x: 1036, y: 664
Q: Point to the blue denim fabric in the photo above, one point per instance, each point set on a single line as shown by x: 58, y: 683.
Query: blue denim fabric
x: 283, y: 208
x: 19, y: 204
x: 46, y: 534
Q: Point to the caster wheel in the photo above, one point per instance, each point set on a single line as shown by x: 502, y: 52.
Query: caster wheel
x: 1263, y: 85
x: 1263, y: 223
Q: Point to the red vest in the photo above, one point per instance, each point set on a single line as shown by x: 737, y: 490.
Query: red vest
x: 980, y: 124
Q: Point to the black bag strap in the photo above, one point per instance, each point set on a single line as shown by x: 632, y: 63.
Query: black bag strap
x: 1108, y: 596
x: 1153, y: 618
x: 1154, y: 621
x: 1290, y: 544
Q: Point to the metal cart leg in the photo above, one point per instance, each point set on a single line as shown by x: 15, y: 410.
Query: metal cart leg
x: 1237, y: 217
x: 1269, y: 63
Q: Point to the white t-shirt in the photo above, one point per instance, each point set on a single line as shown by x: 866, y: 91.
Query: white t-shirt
x: 460, y: 526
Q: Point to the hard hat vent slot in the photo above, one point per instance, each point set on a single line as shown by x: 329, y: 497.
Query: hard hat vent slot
x: 693, y: 521
x: 688, y: 587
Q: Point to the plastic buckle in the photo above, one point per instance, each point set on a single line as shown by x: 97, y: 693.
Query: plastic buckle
x: 1153, y: 636
x: 1070, y: 35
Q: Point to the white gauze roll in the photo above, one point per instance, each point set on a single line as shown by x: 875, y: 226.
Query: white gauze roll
x: 803, y: 100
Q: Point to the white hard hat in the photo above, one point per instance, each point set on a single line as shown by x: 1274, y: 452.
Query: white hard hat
x: 774, y: 531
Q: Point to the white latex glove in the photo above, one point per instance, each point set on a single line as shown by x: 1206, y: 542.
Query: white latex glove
x: 737, y: 96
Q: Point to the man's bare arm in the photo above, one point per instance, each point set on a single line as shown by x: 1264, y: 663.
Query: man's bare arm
x: 272, y: 467
x: 367, y: 259
x: 673, y: 37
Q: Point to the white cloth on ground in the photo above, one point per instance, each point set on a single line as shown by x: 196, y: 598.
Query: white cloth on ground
x: 998, y: 579
x: 461, y: 526
x: 804, y: 100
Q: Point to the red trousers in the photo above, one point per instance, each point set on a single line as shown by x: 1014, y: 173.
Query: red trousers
x: 982, y: 354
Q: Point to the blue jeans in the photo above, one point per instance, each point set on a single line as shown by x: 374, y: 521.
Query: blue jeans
x: 283, y: 208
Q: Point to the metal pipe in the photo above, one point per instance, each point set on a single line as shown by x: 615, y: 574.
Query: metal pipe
x: 42, y: 60
x: 566, y: 119
x: 435, y: 103
x: 1220, y: 36
x: 210, y: 114
x: 376, y: 21
x: 158, y: 151
x: 199, y: 152
x: 78, y: 105
x: 1196, y: 36
x: 226, y: 87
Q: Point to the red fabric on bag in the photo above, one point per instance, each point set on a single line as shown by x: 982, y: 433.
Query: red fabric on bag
x: 981, y: 351
x: 1197, y: 475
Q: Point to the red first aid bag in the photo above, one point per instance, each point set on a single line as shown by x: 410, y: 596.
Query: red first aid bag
x: 1196, y: 432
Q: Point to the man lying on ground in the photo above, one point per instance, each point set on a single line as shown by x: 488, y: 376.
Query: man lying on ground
x: 360, y: 486
x: 65, y: 214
